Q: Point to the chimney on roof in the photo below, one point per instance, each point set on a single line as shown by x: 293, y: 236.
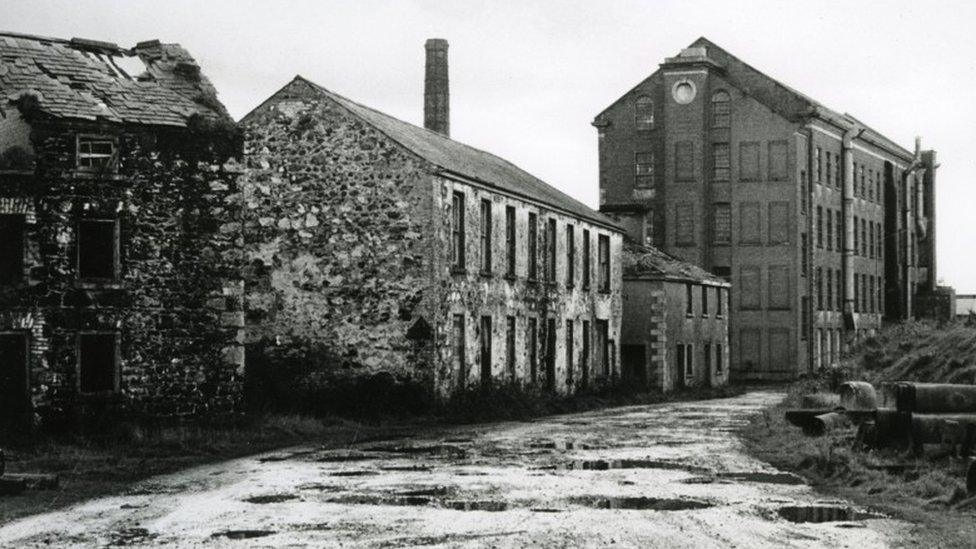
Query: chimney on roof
x: 437, y: 106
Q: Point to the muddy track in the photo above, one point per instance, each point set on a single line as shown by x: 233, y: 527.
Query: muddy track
x: 671, y: 475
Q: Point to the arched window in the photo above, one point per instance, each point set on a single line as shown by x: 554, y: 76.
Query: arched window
x: 644, y: 113
x: 721, y: 109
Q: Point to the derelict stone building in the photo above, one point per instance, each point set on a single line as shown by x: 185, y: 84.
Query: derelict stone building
x: 401, y: 252
x: 824, y: 225
x: 117, y: 272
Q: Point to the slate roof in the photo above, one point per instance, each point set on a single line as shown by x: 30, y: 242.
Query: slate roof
x: 84, y: 80
x: 457, y: 158
x: 778, y: 97
x: 647, y: 263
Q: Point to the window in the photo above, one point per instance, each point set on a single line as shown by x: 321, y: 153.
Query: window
x: 510, y: 347
x: 689, y: 300
x: 570, y: 334
x: 864, y: 236
x: 804, y: 252
x: 723, y: 224
x: 457, y: 231
x: 870, y: 185
x: 15, y: 400
x: 533, y: 245
x: 830, y: 169
x: 647, y: 223
x: 719, y: 302
x: 749, y: 161
x: 779, y: 287
x: 97, y: 362
x: 870, y: 294
x: 870, y: 240
x: 459, y: 350
x: 689, y: 367
x: 585, y: 360
x: 804, y: 192
x: 863, y: 181
x: 718, y: 358
x: 570, y: 256
x: 721, y: 161
x: 586, y: 259
x: 684, y: 161
x: 486, y: 236
x: 96, y: 154
x: 856, y: 246
x: 830, y: 229
x: 837, y: 178
x: 532, y: 342
x: 644, y: 170
x: 749, y: 223
x: 819, y: 155
x: 684, y: 221
x: 551, y: 251
x: 485, y: 355
x: 12, y: 234
x: 602, y: 344
x: 749, y: 282
x: 840, y: 289
x: 603, y: 243
x: 704, y: 300
x: 804, y: 316
x: 707, y: 355
x: 550, y: 354
x: 510, y: 242
x: 98, y: 249
x: 779, y: 224
x: 644, y: 113
x: 839, y: 232
x: 721, y: 110
x: 820, y: 226
x: 778, y: 169
x: 857, y: 292
x: 830, y: 289
x: 820, y: 301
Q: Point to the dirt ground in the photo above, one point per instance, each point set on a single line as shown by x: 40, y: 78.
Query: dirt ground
x: 668, y: 475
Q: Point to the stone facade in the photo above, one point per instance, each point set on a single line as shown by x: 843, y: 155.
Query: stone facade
x: 802, y: 209
x: 128, y: 300
x: 349, y: 224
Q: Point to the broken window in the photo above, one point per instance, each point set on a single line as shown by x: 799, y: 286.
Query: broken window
x: 96, y: 154
x: 457, y: 231
x: 532, y: 342
x: 11, y: 249
x: 98, y: 249
x: 723, y: 224
x: 510, y: 243
x: 603, y: 245
x: 510, y: 347
x: 97, y: 362
x: 644, y: 113
x: 459, y: 350
x: 485, y: 354
x: 570, y: 333
x: 570, y: 256
x: 721, y: 110
x: 486, y: 236
x: 644, y: 170
x: 551, y: 251
x: 533, y: 247
x: 721, y: 161
x: 586, y: 259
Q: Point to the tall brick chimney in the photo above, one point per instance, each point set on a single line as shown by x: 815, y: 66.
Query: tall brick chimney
x: 437, y: 104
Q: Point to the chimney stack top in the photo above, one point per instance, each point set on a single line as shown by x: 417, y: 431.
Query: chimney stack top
x: 437, y: 108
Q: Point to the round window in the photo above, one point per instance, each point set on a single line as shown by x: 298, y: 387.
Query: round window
x: 684, y: 92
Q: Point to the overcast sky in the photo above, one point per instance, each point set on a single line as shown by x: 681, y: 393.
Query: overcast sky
x: 527, y: 77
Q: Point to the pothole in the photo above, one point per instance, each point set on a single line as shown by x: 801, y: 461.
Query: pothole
x: 824, y: 513
x: 641, y: 503
x: 607, y: 464
x: 242, y: 534
x: 765, y: 477
x: 271, y: 498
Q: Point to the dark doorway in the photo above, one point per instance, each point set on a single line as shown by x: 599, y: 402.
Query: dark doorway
x: 14, y: 389
x: 11, y: 249
x: 634, y: 365
x: 485, y: 351
x: 551, y: 354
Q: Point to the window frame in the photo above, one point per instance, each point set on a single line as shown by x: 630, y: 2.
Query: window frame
x: 112, y: 158
x: 116, y: 251
x: 511, y: 241
x: 605, y: 265
x: 644, y: 112
x: 485, y: 237
x: 458, y: 236
x: 116, y: 362
x: 644, y: 171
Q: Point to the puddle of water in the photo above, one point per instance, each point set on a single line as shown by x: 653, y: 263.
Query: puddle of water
x: 341, y: 458
x: 566, y: 445
x: 545, y: 510
x: 352, y: 473
x: 242, y: 534
x: 824, y: 513
x: 370, y: 499
x: 319, y: 486
x: 607, y: 464
x: 407, y: 468
x: 641, y: 503
x: 483, y: 505
x: 431, y: 450
x: 765, y: 477
x: 432, y: 491
x: 271, y: 498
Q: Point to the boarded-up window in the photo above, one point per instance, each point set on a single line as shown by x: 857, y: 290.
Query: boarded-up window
x: 779, y: 349
x: 723, y: 224
x: 779, y: 218
x: 97, y: 249
x: 777, y: 161
x: 684, y: 223
x: 749, y: 223
x: 97, y: 363
x: 644, y: 170
x: 11, y: 249
x: 749, y: 161
x: 644, y: 113
x: 721, y: 163
x: 779, y: 287
x: 684, y: 161
x: 749, y: 345
x: 749, y: 284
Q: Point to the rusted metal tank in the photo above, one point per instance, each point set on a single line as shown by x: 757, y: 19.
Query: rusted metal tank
x: 935, y: 398
x: 858, y: 395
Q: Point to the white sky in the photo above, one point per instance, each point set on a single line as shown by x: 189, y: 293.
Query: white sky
x: 527, y: 77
